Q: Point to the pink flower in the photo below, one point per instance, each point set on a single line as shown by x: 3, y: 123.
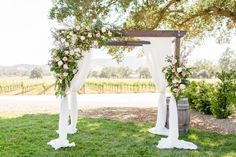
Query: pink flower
x: 173, y: 61
x: 98, y: 35
x: 110, y: 34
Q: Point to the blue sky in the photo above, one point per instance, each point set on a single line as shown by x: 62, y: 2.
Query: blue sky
x: 25, y: 36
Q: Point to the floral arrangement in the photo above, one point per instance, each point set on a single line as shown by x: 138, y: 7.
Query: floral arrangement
x: 71, y: 46
x: 176, y: 74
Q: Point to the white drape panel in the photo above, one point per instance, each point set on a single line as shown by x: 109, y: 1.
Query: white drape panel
x: 156, y: 53
x: 76, y: 83
x: 63, y: 123
x: 172, y: 140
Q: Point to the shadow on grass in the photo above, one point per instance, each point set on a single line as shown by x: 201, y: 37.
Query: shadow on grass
x: 28, y: 136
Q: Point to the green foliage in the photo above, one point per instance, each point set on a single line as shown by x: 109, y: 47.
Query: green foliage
x: 28, y: 135
x: 227, y: 60
x: 200, y: 18
x: 203, y: 69
x: 86, y: 10
x: 176, y: 74
x: 225, y: 96
x: 191, y: 94
x: 70, y: 47
x: 143, y: 72
x: 204, y: 96
x: 36, y: 73
x: 115, y: 72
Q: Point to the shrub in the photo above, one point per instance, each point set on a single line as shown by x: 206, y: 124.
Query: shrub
x: 191, y: 94
x: 224, y: 97
x: 203, y: 99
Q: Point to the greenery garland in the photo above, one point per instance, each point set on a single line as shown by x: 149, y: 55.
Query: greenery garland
x: 177, y: 74
x: 71, y: 46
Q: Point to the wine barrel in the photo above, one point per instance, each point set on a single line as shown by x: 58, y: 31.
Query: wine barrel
x: 183, y: 114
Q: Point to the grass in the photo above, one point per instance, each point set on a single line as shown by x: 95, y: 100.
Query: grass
x: 28, y: 135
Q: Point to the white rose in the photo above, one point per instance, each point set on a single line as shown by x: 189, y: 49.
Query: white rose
x: 72, y: 52
x: 66, y: 52
x: 65, y: 74
x: 82, y: 25
x: 182, y: 86
x: 65, y: 66
x: 94, y: 20
x: 90, y: 35
x: 63, y: 40
x: 64, y: 59
x: 77, y: 27
x: 174, y: 81
x: 110, y: 34
x: 60, y: 63
x: 73, y: 39
x: 57, y: 59
x: 82, y: 38
x: 71, y: 33
x: 77, y: 50
x: 179, y: 70
x: 74, y: 71
x: 103, y: 29
x: 88, y: 28
x: 67, y: 44
x: 174, y: 61
x: 95, y: 43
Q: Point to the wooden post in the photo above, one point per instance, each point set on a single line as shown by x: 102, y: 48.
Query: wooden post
x: 177, y: 50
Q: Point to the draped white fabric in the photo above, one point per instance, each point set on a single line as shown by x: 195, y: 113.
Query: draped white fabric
x: 76, y: 83
x: 172, y: 140
x: 156, y: 53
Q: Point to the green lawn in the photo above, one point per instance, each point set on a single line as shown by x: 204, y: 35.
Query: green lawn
x: 28, y: 135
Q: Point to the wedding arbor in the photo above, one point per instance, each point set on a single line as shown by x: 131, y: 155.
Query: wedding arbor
x: 156, y: 46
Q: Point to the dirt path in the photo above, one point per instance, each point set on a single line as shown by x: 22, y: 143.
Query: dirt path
x: 127, y: 107
x: 198, y: 120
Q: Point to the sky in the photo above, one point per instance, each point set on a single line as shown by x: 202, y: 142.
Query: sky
x: 25, y: 36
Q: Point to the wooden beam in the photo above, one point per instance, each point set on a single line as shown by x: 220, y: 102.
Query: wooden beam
x: 153, y: 33
x: 127, y: 43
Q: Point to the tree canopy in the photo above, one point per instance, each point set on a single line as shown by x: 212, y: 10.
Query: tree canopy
x: 36, y: 73
x: 200, y: 18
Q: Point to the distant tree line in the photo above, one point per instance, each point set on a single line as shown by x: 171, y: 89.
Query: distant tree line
x: 208, y: 69
x: 32, y: 71
x: 120, y: 72
x: 204, y: 69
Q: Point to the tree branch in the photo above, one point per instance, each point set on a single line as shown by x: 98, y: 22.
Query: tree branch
x: 222, y: 12
x: 163, y: 11
x: 212, y: 11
